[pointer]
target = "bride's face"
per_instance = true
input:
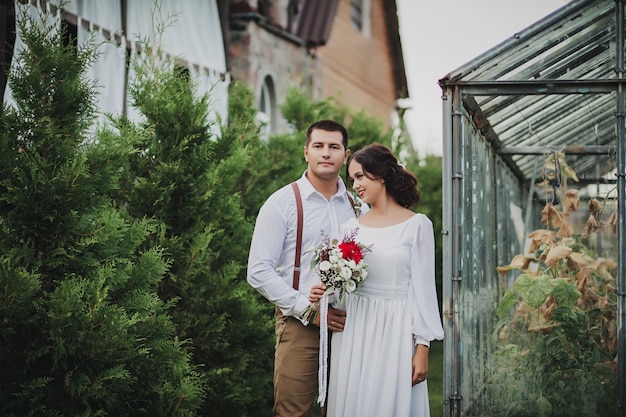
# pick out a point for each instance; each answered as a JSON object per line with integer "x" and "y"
{"x": 368, "y": 189}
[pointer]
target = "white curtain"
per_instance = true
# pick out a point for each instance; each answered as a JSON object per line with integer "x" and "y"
{"x": 108, "y": 70}
{"x": 193, "y": 33}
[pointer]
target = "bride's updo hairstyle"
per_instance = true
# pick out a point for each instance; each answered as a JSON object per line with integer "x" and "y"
{"x": 379, "y": 162}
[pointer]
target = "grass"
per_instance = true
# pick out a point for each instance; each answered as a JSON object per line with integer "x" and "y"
{"x": 435, "y": 378}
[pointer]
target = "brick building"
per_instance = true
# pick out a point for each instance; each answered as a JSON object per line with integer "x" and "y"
{"x": 347, "y": 49}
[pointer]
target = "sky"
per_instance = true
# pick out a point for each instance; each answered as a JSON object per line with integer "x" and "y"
{"x": 440, "y": 36}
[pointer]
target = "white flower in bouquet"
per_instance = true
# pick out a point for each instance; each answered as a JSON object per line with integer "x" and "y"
{"x": 346, "y": 272}
{"x": 325, "y": 266}
{"x": 350, "y": 286}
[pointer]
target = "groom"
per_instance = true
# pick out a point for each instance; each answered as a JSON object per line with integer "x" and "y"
{"x": 271, "y": 263}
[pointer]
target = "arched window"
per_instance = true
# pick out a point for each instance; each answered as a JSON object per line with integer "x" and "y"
{"x": 267, "y": 108}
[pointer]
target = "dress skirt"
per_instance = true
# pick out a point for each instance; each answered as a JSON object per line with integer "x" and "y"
{"x": 371, "y": 360}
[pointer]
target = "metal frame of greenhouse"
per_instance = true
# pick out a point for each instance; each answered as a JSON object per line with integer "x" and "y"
{"x": 559, "y": 85}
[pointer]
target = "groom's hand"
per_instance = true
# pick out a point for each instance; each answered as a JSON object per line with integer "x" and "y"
{"x": 336, "y": 319}
{"x": 317, "y": 292}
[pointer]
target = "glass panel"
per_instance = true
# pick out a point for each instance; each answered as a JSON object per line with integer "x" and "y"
{"x": 537, "y": 310}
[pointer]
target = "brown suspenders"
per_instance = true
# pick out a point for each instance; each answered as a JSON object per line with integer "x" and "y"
{"x": 296, "y": 262}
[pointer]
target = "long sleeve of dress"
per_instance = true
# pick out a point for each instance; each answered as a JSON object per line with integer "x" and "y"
{"x": 425, "y": 316}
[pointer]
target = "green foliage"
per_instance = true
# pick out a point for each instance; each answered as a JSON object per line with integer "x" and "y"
{"x": 300, "y": 110}
{"x": 429, "y": 175}
{"x": 82, "y": 330}
{"x": 363, "y": 130}
{"x": 183, "y": 175}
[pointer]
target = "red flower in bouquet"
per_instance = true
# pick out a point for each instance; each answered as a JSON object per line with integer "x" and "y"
{"x": 350, "y": 250}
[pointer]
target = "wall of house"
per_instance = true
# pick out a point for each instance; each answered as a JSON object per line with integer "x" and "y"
{"x": 355, "y": 67}
{"x": 358, "y": 69}
{"x": 255, "y": 54}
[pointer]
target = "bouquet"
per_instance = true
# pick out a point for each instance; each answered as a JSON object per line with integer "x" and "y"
{"x": 341, "y": 268}
{"x": 340, "y": 265}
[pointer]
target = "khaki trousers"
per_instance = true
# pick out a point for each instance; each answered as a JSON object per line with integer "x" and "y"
{"x": 295, "y": 367}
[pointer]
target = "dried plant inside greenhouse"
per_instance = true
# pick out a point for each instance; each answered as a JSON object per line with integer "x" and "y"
{"x": 556, "y": 341}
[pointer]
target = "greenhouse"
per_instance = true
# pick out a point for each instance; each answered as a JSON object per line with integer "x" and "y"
{"x": 534, "y": 278}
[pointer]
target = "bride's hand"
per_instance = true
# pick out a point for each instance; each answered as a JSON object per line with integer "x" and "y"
{"x": 317, "y": 291}
{"x": 420, "y": 364}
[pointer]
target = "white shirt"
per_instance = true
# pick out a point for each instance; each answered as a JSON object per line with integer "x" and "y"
{"x": 272, "y": 251}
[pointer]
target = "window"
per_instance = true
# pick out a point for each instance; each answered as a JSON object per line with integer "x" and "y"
{"x": 360, "y": 15}
{"x": 267, "y": 108}
{"x": 356, "y": 14}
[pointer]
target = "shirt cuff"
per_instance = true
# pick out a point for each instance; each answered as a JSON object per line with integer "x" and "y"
{"x": 300, "y": 308}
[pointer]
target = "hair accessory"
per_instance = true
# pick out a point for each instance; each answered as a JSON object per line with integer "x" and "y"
{"x": 401, "y": 165}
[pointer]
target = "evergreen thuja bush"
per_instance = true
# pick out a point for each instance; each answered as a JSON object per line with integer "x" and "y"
{"x": 185, "y": 176}
{"x": 82, "y": 329}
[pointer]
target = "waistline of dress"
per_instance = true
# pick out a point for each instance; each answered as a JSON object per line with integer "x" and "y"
{"x": 383, "y": 291}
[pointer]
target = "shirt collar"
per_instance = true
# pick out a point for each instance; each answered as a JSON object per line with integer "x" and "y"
{"x": 306, "y": 188}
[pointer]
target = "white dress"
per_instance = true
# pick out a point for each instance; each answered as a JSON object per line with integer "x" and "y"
{"x": 371, "y": 360}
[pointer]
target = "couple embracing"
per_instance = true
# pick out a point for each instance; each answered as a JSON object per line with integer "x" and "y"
{"x": 380, "y": 334}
